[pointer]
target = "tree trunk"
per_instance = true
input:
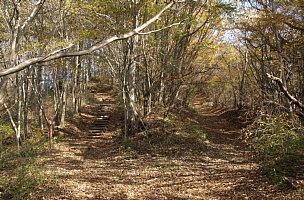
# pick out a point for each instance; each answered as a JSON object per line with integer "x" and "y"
{"x": 64, "y": 98}
{"x": 131, "y": 115}
{"x": 25, "y": 92}
{"x": 76, "y": 85}
{"x": 19, "y": 111}
{"x": 39, "y": 86}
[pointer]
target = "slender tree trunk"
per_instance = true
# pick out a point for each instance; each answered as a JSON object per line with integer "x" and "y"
{"x": 162, "y": 89}
{"x": 64, "y": 98}
{"x": 15, "y": 128}
{"x": 25, "y": 92}
{"x": 39, "y": 86}
{"x": 242, "y": 82}
{"x": 19, "y": 110}
{"x": 76, "y": 84}
{"x": 126, "y": 114}
{"x": 56, "y": 98}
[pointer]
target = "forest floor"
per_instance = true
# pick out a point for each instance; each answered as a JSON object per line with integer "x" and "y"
{"x": 158, "y": 164}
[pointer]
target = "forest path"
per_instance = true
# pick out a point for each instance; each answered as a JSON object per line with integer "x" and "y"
{"x": 99, "y": 167}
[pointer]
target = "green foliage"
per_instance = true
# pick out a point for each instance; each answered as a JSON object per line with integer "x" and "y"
{"x": 180, "y": 135}
{"x": 185, "y": 127}
{"x": 194, "y": 129}
{"x": 277, "y": 138}
{"x": 28, "y": 179}
{"x": 6, "y": 130}
{"x": 277, "y": 177}
{"x": 281, "y": 149}
{"x": 23, "y": 177}
{"x": 6, "y": 133}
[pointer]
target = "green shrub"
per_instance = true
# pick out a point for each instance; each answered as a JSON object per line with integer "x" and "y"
{"x": 280, "y": 147}
{"x": 23, "y": 178}
{"x": 195, "y": 129}
{"x": 27, "y": 180}
{"x": 277, "y": 176}
{"x": 6, "y": 133}
{"x": 277, "y": 138}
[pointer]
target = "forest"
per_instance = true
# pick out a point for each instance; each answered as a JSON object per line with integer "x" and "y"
{"x": 151, "y": 99}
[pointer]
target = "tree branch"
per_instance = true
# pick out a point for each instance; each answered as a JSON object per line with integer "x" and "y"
{"x": 33, "y": 14}
{"x": 60, "y": 54}
{"x": 161, "y": 29}
{"x": 285, "y": 91}
{"x": 6, "y": 16}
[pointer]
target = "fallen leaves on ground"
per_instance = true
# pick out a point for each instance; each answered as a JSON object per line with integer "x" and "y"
{"x": 160, "y": 163}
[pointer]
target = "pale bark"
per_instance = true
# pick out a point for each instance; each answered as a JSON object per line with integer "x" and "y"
{"x": 15, "y": 128}
{"x": 25, "y": 92}
{"x": 64, "y": 98}
{"x": 76, "y": 85}
{"x": 285, "y": 91}
{"x": 59, "y": 54}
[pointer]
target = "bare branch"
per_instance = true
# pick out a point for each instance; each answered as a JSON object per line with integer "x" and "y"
{"x": 285, "y": 91}
{"x": 105, "y": 16}
{"x": 60, "y": 54}
{"x": 38, "y": 6}
{"x": 6, "y": 16}
{"x": 161, "y": 29}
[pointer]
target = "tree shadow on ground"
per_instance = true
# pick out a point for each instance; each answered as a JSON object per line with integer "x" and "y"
{"x": 162, "y": 163}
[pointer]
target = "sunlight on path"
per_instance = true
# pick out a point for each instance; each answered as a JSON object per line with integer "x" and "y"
{"x": 97, "y": 168}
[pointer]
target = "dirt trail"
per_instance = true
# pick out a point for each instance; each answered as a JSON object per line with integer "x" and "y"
{"x": 95, "y": 166}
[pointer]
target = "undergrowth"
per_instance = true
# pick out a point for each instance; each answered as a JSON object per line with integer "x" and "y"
{"x": 280, "y": 148}
{"x": 22, "y": 176}
{"x": 6, "y": 134}
{"x": 179, "y": 136}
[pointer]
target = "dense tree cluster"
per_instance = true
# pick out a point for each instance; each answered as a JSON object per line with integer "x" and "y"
{"x": 265, "y": 66}
{"x": 157, "y": 53}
